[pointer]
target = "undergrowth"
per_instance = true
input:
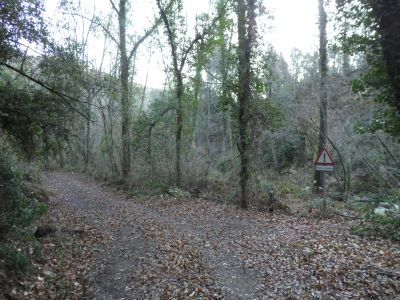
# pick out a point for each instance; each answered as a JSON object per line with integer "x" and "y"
{"x": 385, "y": 225}
{"x": 17, "y": 209}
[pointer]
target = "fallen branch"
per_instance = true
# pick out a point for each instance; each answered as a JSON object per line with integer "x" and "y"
{"x": 353, "y": 217}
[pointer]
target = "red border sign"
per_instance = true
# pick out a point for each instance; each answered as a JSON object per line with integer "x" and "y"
{"x": 325, "y": 158}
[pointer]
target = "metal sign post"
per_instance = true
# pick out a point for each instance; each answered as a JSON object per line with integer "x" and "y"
{"x": 324, "y": 163}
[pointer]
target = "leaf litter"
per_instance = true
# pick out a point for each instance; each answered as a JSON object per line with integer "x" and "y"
{"x": 168, "y": 248}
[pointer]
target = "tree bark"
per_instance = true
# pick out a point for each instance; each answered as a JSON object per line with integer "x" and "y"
{"x": 125, "y": 105}
{"x": 346, "y": 57}
{"x": 323, "y": 95}
{"x": 387, "y": 15}
{"x": 179, "y": 93}
{"x": 88, "y": 133}
{"x": 125, "y": 60}
{"x": 179, "y": 126}
{"x": 246, "y": 34}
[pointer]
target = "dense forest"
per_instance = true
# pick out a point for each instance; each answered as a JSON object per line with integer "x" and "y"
{"x": 236, "y": 127}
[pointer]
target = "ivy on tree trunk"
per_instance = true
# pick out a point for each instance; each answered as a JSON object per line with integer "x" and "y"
{"x": 246, "y": 35}
{"x": 323, "y": 95}
{"x": 125, "y": 105}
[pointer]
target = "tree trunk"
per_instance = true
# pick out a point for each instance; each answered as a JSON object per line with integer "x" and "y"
{"x": 196, "y": 94}
{"x": 179, "y": 94}
{"x": 387, "y": 15}
{"x": 125, "y": 105}
{"x": 227, "y": 140}
{"x": 246, "y": 36}
{"x": 61, "y": 153}
{"x": 179, "y": 125}
{"x": 88, "y": 130}
{"x": 46, "y": 147}
{"x": 323, "y": 96}
{"x": 346, "y": 58}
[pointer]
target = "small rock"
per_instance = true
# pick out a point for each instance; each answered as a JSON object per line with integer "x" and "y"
{"x": 44, "y": 230}
{"x": 48, "y": 273}
{"x": 381, "y": 211}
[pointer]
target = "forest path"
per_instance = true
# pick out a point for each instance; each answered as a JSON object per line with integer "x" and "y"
{"x": 166, "y": 248}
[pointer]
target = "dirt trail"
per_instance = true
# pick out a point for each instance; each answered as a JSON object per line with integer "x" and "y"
{"x": 168, "y": 248}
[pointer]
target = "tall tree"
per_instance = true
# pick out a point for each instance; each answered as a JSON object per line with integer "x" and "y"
{"x": 246, "y": 36}
{"x": 179, "y": 59}
{"x": 374, "y": 30}
{"x": 323, "y": 95}
{"x": 125, "y": 61}
{"x": 346, "y": 57}
{"x": 387, "y": 15}
{"x": 125, "y": 105}
{"x": 177, "y": 69}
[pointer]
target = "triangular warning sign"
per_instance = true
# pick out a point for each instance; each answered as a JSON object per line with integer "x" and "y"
{"x": 325, "y": 158}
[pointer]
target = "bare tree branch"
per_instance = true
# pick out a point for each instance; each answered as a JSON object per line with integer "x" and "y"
{"x": 188, "y": 49}
{"x": 142, "y": 39}
{"x": 105, "y": 29}
{"x": 114, "y": 7}
{"x": 198, "y": 37}
{"x": 170, "y": 34}
{"x": 388, "y": 151}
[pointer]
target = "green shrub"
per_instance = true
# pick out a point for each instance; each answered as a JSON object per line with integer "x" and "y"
{"x": 16, "y": 210}
{"x": 10, "y": 193}
{"x": 372, "y": 224}
{"x": 391, "y": 196}
{"x": 287, "y": 187}
{"x": 261, "y": 188}
{"x": 387, "y": 226}
{"x": 13, "y": 259}
{"x": 177, "y": 192}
